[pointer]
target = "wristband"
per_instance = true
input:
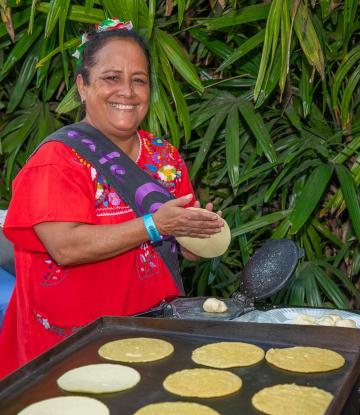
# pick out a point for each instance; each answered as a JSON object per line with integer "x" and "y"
{"x": 151, "y": 228}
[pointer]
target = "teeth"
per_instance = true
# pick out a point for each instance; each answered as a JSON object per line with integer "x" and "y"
{"x": 122, "y": 106}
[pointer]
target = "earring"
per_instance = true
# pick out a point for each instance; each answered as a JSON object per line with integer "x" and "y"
{"x": 82, "y": 100}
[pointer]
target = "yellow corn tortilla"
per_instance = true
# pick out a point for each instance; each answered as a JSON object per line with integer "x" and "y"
{"x": 176, "y": 408}
{"x": 211, "y": 247}
{"x": 202, "y": 383}
{"x": 137, "y": 349}
{"x": 305, "y": 359}
{"x": 224, "y": 355}
{"x": 292, "y": 399}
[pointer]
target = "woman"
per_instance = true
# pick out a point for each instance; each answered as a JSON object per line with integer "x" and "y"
{"x": 81, "y": 251}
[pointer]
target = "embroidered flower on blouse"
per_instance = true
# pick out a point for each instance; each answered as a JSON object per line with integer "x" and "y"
{"x": 157, "y": 142}
{"x": 167, "y": 173}
{"x": 114, "y": 199}
{"x": 156, "y": 158}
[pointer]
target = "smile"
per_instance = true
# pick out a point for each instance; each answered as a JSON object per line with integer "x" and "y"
{"x": 122, "y": 106}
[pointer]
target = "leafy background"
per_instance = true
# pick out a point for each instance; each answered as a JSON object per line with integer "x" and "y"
{"x": 262, "y": 97}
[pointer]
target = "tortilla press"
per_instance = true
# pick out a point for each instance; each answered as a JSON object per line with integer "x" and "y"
{"x": 267, "y": 271}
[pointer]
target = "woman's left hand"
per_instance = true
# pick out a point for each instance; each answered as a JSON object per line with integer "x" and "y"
{"x": 186, "y": 253}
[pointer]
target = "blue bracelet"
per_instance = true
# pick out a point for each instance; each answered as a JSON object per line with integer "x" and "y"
{"x": 151, "y": 228}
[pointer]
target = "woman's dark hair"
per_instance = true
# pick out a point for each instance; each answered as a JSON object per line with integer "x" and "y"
{"x": 97, "y": 40}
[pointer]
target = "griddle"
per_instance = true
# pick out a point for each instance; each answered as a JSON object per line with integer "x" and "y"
{"x": 37, "y": 380}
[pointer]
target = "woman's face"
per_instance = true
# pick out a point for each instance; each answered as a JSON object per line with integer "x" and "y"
{"x": 117, "y": 97}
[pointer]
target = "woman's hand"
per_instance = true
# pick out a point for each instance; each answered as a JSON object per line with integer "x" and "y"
{"x": 185, "y": 252}
{"x": 172, "y": 219}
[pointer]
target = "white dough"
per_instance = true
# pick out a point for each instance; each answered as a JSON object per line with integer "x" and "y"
{"x": 345, "y": 323}
{"x": 333, "y": 316}
{"x": 304, "y": 319}
{"x": 213, "y": 305}
{"x": 99, "y": 378}
{"x": 211, "y": 247}
{"x": 326, "y": 321}
{"x": 67, "y": 405}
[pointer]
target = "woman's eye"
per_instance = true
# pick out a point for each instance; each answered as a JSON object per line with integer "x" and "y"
{"x": 112, "y": 78}
{"x": 140, "y": 81}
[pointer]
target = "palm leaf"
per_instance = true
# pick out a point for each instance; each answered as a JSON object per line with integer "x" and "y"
{"x": 177, "y": 56}
{"x": 232, "y": 144}
{"x": 349, "y": 190}
{"x": 234, "y": 18}
{"x": 310, "y": 196}
{"x": 258, "y": 128}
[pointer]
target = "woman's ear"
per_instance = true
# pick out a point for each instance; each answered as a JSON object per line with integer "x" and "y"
{"x": 81, "y": 88}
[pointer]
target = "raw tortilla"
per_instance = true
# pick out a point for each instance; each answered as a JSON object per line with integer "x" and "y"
{"x": 176, "y": 408}
{"x": 224, "y": 355}
{"x": 99, "y": 378}
{"x": 137, "y": 349}
{"x": 211, "y": 247}
{"x": 67, "y": 405}
{"x": 213, "y": 305}
{"x": 202, "y": 383}
{"x": 292, "y": 400}
{"x": 305, "y": 359}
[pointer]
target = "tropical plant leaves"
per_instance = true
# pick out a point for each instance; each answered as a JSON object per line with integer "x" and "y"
{"x": 310, "y": 196}
{"x": 238, "y": 84}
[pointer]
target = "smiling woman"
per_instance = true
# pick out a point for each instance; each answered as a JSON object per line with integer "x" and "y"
{"x": 96, "y": 208}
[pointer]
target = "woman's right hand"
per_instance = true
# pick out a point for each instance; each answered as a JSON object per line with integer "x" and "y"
{"x": 172, "y": 219}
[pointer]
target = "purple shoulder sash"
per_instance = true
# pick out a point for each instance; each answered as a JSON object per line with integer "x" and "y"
{"x": 140, "y": 191}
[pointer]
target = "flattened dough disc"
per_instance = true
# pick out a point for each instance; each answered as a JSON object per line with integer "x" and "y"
{"x": 137, "y": 349}
{"x": 202, "y": 383}
{"x": 305, "y": 359}
{"x": 211, "y": 247}
{"x": 292, "y": 400}
{"x": 99, "y": 378}
{"x": 67, "y": 405}
{"x": 176, "y": 408}
{"x": 224, "y": 355}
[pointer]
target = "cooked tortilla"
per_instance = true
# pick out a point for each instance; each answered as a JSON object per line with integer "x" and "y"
{"x": 137, "y": 349}
{"x": 202, "y": 383}
{"x": 211, "y": 247}
{"x": 305, "y": 359}
{"x": 292, "y": 400}
{"x": 99, "y": 378}
{"x": 224, "y": 355}
{"x": 67, "y": 405}
{"x": 176, "y": 408}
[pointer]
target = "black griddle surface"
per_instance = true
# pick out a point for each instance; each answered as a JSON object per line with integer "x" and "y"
{"x": 37, "y": 380}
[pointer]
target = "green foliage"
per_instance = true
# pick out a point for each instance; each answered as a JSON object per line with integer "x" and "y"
{"x": 263, "y": 98}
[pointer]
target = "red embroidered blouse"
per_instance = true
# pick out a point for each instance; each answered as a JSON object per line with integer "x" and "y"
{"x": 51, "y": 301}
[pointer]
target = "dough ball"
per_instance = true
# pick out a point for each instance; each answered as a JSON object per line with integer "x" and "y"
{"x": 334, "y": 317}
{"x": 346, "y": 322}
{"x": 326, "y": 321}
{"x": 213, "y": 305}
{"x": 304, "y": 319}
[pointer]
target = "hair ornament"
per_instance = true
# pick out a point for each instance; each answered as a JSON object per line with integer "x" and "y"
{"x": 104, "y": 26}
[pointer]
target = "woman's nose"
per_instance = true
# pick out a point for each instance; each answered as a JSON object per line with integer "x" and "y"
{"x": 125, "y": 88}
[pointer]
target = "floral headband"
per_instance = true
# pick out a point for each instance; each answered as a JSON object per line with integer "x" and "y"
{"x": 104, "y": 26}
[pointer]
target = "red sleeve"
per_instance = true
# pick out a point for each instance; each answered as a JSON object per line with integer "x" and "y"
{"x": 53, "y": 186}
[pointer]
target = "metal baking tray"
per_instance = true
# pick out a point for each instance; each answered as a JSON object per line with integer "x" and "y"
{"x": 37, "y": 380}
